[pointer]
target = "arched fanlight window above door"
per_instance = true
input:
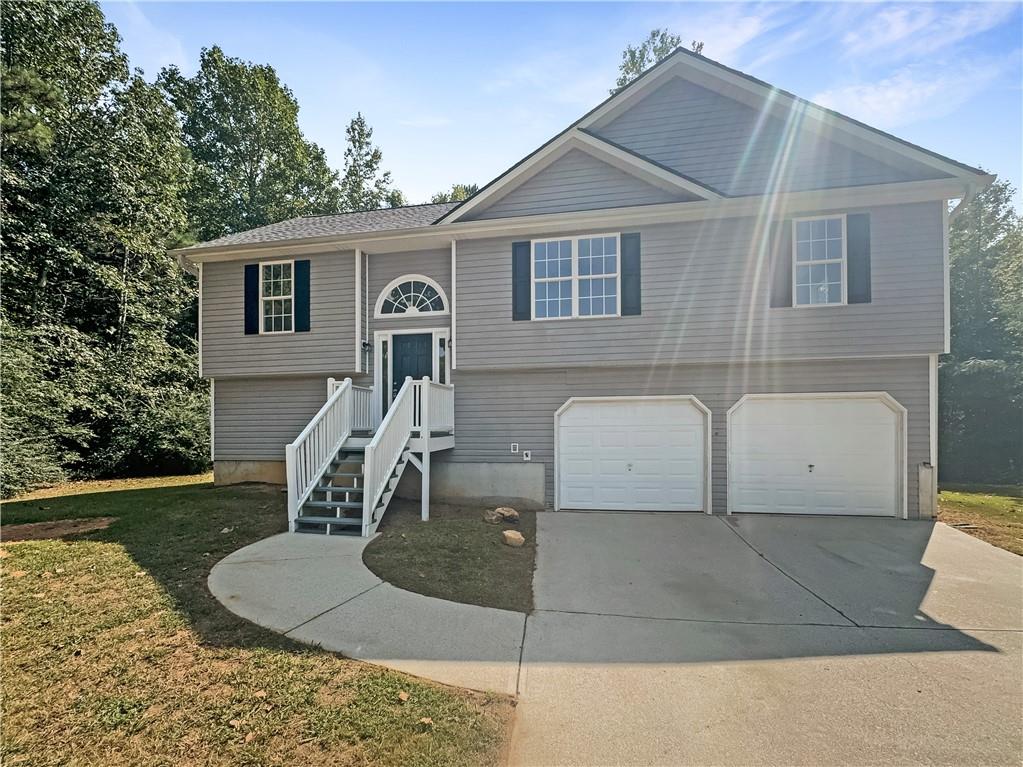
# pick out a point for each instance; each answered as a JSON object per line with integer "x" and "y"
{"x": 411, "y": 294}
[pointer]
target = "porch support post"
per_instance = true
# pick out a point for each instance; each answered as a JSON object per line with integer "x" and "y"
{"x": 424, "y": 436}
{"x": 292, "y": 472}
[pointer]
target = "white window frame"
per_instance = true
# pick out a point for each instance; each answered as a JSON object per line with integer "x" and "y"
{"x": 844, "y": 261}
{"x": 575, "y": 277}
{"x": 411, "y": 311}
{"x": 291, "y": 296}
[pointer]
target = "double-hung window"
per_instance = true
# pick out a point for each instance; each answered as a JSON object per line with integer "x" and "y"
{"x": 576, "y": 277}
{"x": 276, "y": 299}
{"x": 819, "y": 261}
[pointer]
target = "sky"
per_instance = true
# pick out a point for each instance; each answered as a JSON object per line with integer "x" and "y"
{"x": 459, "y": 92}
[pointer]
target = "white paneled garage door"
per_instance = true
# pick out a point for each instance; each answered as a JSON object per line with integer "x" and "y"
{"x": 632, "y": 454}
{"x": 816, "y": 454}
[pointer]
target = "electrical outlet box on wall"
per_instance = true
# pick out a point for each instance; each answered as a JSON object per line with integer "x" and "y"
{"x": 527, "y": 455}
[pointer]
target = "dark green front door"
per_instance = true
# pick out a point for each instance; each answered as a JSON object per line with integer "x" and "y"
{"x": 413, "y": 356}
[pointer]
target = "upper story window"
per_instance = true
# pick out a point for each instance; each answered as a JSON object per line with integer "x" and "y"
{"x": 819, "y": 261}
{"x": 576, "y": 277}
{"x": 276, "y": 299}
{"x": 411, "y": 294}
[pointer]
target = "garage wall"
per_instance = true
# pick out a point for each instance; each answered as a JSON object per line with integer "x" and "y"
{"x": 493, "y": 410}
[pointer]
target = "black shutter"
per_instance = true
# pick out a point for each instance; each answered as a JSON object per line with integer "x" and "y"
{"x": 521, "y": 290}
{"x": 781, "y": 263}
{"x": 857, "y": 253}
{"x": 302, "y": 296}
{"x": 632, "y": 283}
{"x": 251, "y": 299}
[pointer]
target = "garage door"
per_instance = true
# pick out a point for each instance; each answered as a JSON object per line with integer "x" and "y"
{"x": 624, "y": 454}
{"x": 806, "y": 454}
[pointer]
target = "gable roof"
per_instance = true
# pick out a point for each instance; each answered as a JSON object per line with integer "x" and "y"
{"x": 683, "y": 60}
{"x": 378, "y": 220}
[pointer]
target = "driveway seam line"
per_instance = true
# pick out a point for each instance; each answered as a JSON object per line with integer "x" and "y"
{"x": 339, "y": 604}
{"x": 522, "y": 650}
{"x": 790, "y": 577}
{"x": 872, "y": 627}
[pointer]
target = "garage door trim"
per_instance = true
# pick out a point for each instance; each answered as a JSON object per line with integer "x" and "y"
{"x": 707, "y": 458}
{"x": 901, "y": 450}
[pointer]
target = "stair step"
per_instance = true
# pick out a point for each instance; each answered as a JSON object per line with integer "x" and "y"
{"x": 353, "y": 475}
{"x": 337, "y": 489}
{"x": 347, "y": 521}
{"x": 333, "y": 504}
{"x": 346, "y": 448}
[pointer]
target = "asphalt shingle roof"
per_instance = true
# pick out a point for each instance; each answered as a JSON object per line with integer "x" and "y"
{"x": 380, "y": 220}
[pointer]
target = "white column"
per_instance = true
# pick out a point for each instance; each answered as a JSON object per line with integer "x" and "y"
{"x": 454, "y": 296}
{"x": 358, "y": 310}
{"x": 424, "y": 435}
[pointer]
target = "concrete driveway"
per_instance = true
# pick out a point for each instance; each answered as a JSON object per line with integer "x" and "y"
{"x": 668, "y": 639}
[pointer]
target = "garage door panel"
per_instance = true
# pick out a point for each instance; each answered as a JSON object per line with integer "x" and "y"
{"x": 639, "y": 455}
{"x": 851, "y": 443}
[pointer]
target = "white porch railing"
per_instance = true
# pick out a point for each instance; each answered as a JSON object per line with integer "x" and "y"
{"x": 386, "y": 448}
{"x": 313, "y": 450}
{"x": 362, "y": 404}
{"x": 438, "y": 402}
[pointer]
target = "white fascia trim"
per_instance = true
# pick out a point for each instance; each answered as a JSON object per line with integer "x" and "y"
{"x": 454, "y": 299}
{"x": 946, "y": 278}
{"x": 573, "y": 138}
{"x": 707, "y": 455}
{"x": 787, "y": 203}
{"x": 819, "y": 118}
{"x": 901, "y": 452}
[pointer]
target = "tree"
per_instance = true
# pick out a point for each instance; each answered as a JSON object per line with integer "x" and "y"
{"x": 94, "y": 173}
{"x": 636, "y": 59}
{"x": 253, "y": 166}
{"x": 457, "y": 193}
{"x": 981, "y": 381}
{"x": 363, "y": 185}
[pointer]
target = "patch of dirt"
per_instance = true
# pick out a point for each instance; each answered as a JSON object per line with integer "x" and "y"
{"x": 39, "y": 531}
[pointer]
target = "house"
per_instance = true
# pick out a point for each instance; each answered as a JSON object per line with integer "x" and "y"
{"x": 705, "y": 295}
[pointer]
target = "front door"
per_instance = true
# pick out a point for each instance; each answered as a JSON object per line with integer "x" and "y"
{"x": 413, "y": 356}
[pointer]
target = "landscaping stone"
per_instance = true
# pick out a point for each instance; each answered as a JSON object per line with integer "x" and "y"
{"x": 513, "y": 538}
{"x": 508, "y": 514}
{"x": 493, "y": 516}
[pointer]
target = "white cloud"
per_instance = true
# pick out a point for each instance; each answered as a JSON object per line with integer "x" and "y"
{"x": 149, "y": 47}
{"x": 915, "y": 30}
{"x": 910, "y": 94}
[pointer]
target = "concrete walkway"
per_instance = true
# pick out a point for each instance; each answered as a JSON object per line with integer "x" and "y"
{"x": 317, "y": 590}
{"x": 664, "y": 639}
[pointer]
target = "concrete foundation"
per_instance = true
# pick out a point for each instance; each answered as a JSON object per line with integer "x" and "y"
{"x": 514, "y": 484}
{"x": 233, "y": 472}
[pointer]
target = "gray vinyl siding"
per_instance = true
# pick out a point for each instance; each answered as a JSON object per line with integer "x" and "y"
{"x": 734, "y": 148}
{"x": 328, "y": 346}
{"x": 385, "y": 267}
{"x": 705, "y": 298}
{"x": 577, "y": 181}
{"x": 254, "y": 418}
{"x": 493, "y": 410}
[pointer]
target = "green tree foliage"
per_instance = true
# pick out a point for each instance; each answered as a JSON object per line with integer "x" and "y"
{"x": 636, "y": 59}
{"x": 363, "y": 185}
{"x": 253, "y": 166}
{"x": 981, "y": 381}
{"x": 95, "y": 314}
{"x": 457, "y": 193}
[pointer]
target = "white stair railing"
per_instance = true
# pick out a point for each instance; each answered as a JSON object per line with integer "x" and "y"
{"x": 363, "y": 417}
{"x": 385, "y": 450}
{"x": 316, "y": 446}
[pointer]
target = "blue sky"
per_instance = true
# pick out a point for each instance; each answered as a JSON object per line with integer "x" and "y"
{"x": 458, "y": 92}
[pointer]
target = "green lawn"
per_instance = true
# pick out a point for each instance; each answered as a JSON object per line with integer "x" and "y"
{"x": 993, "y": 514}
{"x": 115, "y": 653}
{"x": 456, "y": 555}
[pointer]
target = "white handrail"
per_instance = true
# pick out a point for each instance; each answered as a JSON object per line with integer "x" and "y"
{"x": 362, "y": 405}
{"x": 385, "y": 450}
{"x": 316, "y": 446}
